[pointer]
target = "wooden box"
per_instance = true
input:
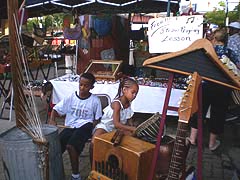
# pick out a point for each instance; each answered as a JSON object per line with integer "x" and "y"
{"x": 105, "y": 69}
{"x": 131, "y": 159}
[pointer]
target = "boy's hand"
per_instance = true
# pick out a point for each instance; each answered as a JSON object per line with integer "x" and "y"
{"x": 134, "y": 131}
{"x": 52, "y": 122}
{"x": 95, "y": 122}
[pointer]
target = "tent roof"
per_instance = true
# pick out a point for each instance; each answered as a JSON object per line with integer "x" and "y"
{"x": 40, "y": 7}
{"x": 44, "y": 7}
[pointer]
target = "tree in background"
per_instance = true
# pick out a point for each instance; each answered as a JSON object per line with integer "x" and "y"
{"x": 52, "y": 22}
{"x": 218, "y": 16}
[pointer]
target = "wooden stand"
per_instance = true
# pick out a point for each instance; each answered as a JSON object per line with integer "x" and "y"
{"x": 199, "y": 57}
{"x": 38, "y": 65}
{"x": 166, "y": 107}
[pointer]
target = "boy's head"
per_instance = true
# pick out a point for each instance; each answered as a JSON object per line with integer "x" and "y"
{"x": 88, "y": 76}
{"x": 86, "y": 83}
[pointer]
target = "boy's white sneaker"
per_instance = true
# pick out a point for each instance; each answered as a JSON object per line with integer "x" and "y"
{"x": 78, "y": 178}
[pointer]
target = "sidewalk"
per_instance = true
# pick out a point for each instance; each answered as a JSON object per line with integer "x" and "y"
{"x": 219, "y": 165}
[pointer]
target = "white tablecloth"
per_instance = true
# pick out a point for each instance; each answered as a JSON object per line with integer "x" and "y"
{"x": 148, "y": 100}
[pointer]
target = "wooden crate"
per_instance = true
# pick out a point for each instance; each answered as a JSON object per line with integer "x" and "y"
{"x": 132, "y": 157}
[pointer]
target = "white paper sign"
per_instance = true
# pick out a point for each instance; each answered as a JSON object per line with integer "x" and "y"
{"x": 171, "y": 34}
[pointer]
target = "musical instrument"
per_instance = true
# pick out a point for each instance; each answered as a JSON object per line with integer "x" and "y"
{"x": 188, "y": 106}
{"x": 199, "y": 57}
{"x": 130, "y": 160}
{"x": 148, "y": 130}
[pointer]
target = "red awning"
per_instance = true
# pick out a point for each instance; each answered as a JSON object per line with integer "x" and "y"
{"x": 140, "y": 19}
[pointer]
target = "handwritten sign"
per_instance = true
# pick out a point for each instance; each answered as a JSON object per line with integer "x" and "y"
{"x": 171, "y": 34}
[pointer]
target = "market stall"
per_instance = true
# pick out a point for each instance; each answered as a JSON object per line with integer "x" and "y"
{"x": 102, "y": 27}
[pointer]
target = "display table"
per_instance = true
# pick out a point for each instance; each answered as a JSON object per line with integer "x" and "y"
{"x": 148, "y": 100}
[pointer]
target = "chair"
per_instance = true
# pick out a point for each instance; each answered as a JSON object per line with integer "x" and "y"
{"x": 105, "y": 99}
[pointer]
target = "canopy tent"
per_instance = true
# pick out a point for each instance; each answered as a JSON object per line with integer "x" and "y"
{"x": 41, "y": 7}
{"x": 44, "y": 7}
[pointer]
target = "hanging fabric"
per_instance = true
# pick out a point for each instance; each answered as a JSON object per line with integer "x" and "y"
{"x": 84, "y": 43}
{"x": 71, "y": 33}
{"x": 102, "y": 25}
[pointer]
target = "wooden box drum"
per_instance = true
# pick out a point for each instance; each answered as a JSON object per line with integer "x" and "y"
{"x": 131, "y": 160}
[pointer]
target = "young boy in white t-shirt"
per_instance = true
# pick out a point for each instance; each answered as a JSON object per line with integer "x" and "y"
{"x": 83, "y": 111}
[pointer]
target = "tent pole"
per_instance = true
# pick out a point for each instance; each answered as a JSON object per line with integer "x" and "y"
{"x": 76, "y": 59}
{"x": 168, "y": 8}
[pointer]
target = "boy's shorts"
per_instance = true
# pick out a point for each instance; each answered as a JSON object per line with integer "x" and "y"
{"x": 77, "y": 137}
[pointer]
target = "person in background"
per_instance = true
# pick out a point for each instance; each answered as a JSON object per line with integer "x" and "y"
{"x": 83, "y": 111}
{"x": 219, "y": 42}
{"x": 215, "y": 95}
{"x": 118, "y": 112}
{"x": 6, "y": 57}
{"x": 234, "y": 45}
{"x": 234, "y": 41}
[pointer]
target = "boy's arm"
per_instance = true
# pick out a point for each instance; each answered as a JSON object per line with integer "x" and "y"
{"x": 52, "y": 120}
{"x": 95, "y": 122}
{"x": 98, "y": 113}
